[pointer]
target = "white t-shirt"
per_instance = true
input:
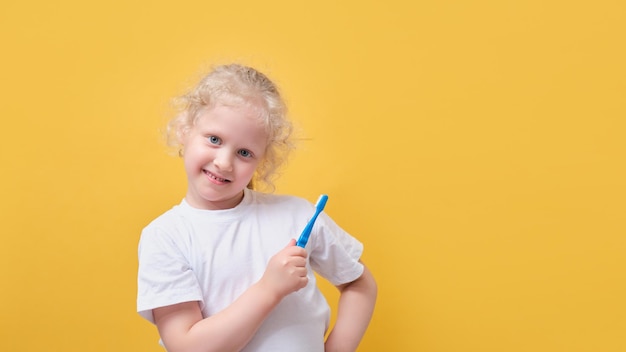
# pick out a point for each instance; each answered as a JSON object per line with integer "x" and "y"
{"x": 213, "y": 256}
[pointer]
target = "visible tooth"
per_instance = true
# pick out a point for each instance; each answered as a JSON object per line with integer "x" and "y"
{"x": 216, "y": 178}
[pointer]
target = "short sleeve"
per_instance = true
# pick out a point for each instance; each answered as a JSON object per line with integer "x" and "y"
{"x": 334, "y": 253}
{"x": 164, "y": 275}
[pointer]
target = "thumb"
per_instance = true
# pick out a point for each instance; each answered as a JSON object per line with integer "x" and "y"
{"x": 292, "y": 242}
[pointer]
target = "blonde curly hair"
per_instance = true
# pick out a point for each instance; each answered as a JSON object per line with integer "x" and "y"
{"x": 236, "y": 84}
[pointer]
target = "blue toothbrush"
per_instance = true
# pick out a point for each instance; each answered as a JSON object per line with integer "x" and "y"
{"x": 304, "y": 237}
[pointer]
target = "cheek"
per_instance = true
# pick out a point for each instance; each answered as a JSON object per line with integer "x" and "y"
{"x": 193, "y": 155}
{"x": 249, "y": 168}
{"x": 188, "y": 161}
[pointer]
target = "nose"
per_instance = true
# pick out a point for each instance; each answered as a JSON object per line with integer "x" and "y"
{"x": 223, "y": 160}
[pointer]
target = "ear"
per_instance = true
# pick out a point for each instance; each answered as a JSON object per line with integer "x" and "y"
{"x": 182, "y": 133}
{"x": 183, "y": 128}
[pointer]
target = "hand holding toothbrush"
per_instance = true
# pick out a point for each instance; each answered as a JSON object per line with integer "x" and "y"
{"x": 286, "y": 271}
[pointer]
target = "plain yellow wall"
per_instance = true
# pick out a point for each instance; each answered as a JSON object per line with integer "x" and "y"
{"x": 475, "y": 147}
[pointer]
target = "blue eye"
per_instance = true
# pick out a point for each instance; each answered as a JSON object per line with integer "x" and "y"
{"x": 245, "y": 153}
{"x": 215, "y": 140}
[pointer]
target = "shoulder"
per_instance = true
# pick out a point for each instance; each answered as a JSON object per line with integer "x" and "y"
{"x": 167, "y": 218}
{"x": 169, "y": 223}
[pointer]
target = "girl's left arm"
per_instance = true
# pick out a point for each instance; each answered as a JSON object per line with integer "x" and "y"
{"x": 356, "y": 306}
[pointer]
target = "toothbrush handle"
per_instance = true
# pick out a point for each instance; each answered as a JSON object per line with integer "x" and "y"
{"x": 304, "y": 237}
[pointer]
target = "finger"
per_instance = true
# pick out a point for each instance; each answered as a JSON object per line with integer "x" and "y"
{"x": 299, "y": 262}
{"x": 292, "y": 242}
{"x": 302, "y": 272}
{"x": 303, "y": 282}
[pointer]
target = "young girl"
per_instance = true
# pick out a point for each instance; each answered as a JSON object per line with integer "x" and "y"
{"x": 220, "y": 271}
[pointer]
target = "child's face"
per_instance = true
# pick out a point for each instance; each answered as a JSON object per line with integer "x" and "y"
{"x": 221, "y": 152}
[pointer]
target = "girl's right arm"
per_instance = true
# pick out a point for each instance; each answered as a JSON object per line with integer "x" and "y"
{"x": 183, "y": 329}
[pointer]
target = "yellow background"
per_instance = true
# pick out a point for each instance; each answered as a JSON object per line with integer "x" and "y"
{"x": 475, "y": 147}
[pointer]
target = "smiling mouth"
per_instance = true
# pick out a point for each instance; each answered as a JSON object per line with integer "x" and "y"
{"x": 213, "y": 177}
